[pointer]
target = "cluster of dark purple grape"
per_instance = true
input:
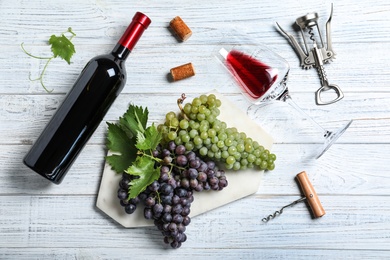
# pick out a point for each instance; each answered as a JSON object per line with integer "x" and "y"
{"x": 168, "y": 200}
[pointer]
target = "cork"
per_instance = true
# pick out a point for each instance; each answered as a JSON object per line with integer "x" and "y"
{"x": 182, "y": 72}
{"x": 180, "y": 28}
{"x": 310, "y": 194}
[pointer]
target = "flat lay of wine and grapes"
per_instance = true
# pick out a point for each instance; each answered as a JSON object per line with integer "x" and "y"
{"x": 207, "y": 130}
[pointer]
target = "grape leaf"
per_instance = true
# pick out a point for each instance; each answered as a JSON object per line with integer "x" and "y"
{"x": 150, "y": 139}
{"x": 134, "y": 119}
{"x": 144, "y": 169}
{"x": 61, "y": 46}
{"x": 118, "y": 141}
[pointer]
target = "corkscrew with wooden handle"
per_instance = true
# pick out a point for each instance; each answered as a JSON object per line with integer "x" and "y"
{"x": 310, "y": 196}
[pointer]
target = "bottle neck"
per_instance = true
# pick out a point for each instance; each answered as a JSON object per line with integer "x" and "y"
{"x": 131, "y": 36}
{"x": 120, "y": 52}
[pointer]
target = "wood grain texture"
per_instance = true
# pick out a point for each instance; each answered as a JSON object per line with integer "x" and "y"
{"x": 39, "y": 220}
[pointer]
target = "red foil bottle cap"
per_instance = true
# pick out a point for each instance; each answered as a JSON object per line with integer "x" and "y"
{"x": 134, "y": 32}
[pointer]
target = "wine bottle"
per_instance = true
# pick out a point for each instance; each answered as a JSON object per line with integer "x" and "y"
{"x": 74, "y": 122}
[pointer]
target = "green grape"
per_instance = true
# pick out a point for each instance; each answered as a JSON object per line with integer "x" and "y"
{"x": 203, "y": 128}
{"x": 207, "y": 112}
{"x": 248, "y": 147}
{"x": 221, "y": 144}
{"x": 184, "y": 124}
{"x": 230, "y": 160}
{"x": 236, "y": 166}
{"x": 172, "y": 135}
{"x": 263, "y": 165}
{"x": 189, "y": 146}
{"x": 270, "y": 166}
{"x": 198, "y": 140}
{"x": 194, "y": 109}
{"x": 214, "y": 148}
{"x": 240, "y": 147}
{"x": 170, "y": 115}
{"x": 204, "y": 135}
{"x": 237, "y": 155}
{"x": 211, "y": 99}
{"x": 200, "y": 116}
{"x": 232, "y": 150}
{"x": 210, "y": 154}
{"x": 193, "y": 133}
{"x": 178, "y": 140}
{"x": 203, "y": 151}
{"x": 251, "y": 158}
{"x": 203, "y": 99}
{"x": 192, "y": 116}
{"x": 211, "y": 118}
{"x": 163, "y": 128}
{"x": 218, "y": 155}
{"x": 211, "y": 132}
{"x": 225, "y": 154}
{"x": 207, "y": 142}
{"x": 185, "y": 138}
{"x": 244, "y": 161}
{"x": 228, "y": 142}
{"x": 174, "y": 122}
{"x": 264, "y": 156}
{"x": 257, "y": 152}
{"x": 229, "y": 166}
{"x": 202, "y": 109}
{"x": 214, "y": 139}
{"x": 222, "y": 136}
{"x": 258, "y": 161}
{"x": 196, "y": 102}
{"x": 187, "y": 108}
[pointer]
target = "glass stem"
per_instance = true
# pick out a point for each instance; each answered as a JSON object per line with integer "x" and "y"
{"x": 285, "y": 97}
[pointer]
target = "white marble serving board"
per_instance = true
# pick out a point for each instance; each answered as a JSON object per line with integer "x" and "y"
{"x": 241, "y": 183}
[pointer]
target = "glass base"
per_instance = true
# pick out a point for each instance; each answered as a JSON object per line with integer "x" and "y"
{"x": 331, "y": 138}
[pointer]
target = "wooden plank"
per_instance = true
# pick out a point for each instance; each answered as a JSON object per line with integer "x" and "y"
{"x": 351, "y": 222}
{"x": 119, "y": 253}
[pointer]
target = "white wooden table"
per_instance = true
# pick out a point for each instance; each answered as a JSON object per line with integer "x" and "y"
{"x": 39, "y": 220}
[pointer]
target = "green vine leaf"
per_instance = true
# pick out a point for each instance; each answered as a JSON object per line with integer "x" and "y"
{"x": 133, "y": 142}
{"x": 144, "y": 169}
{"x": 61, "y": 46}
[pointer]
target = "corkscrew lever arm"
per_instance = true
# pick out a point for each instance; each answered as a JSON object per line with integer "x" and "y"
{"x": 302, "y": 55}
{"x": 328, "y": 33}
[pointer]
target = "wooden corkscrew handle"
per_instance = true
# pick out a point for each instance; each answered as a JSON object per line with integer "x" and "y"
{"x": 310, "y": 194}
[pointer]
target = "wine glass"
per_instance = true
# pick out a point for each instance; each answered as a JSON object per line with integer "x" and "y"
{"x": 261, "y": 75}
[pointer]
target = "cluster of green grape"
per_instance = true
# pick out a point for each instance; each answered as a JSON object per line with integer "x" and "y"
{"x": 199, "y": 129}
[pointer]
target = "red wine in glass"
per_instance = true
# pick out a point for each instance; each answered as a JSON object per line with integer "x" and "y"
{"x": 254, "y": 76}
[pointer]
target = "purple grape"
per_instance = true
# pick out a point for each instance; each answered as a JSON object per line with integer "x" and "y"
{"x": 181, "y": 160}
{"x": 130, "y": 208}
{"x": 180, "y": 150}
{"x": 122, "y": 194}
{"x": 192, "y": 173}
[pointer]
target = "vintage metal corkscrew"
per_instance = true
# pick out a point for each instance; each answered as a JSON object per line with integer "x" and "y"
{"x": 318, "y": 54}
{"x": 310, "y": 196}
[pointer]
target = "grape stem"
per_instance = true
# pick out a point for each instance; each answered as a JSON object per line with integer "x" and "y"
{"x": 159, "y": 160}
{"x": 180, "y": 105}
{"x": 40, "y": 78}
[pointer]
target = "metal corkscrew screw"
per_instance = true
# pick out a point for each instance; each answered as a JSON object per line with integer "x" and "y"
{"x": 310, "y": 196}
{"x": 318, "y": 54}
